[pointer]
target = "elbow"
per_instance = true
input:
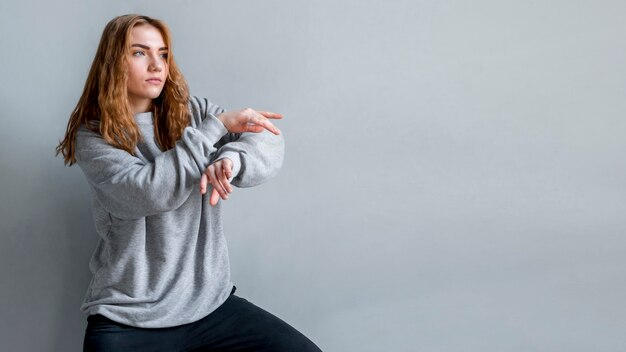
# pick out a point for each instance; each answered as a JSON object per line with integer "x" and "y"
{"x": 276, "y": 159}
{"x": 250, "y": 177}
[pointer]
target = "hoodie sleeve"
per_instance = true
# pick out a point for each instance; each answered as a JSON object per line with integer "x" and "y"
{"x": 130, "y": 188}
{"x": 256, "y": 157}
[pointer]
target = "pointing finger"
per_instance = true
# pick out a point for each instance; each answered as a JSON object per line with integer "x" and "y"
{"x": 271, "y": 115}
{"x": 260, "y": 120}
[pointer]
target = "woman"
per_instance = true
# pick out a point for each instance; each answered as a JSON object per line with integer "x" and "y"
{"x": 161, "y": 277}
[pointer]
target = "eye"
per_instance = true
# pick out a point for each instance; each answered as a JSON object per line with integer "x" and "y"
{"x": 138, "y": 53}
{"x": 164, "y": 55}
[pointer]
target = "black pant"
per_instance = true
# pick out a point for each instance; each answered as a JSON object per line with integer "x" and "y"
{"x": 237, "y": 325}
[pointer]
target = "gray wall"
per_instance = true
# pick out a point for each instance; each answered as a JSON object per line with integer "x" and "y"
{"x": 452, "y": 179}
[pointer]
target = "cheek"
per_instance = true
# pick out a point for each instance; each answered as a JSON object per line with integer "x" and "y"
{"x": 134, "y": 71}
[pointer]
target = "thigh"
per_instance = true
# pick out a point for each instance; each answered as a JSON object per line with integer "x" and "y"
{"x": 105, "y": 335}
{"x": 238, "y": 325}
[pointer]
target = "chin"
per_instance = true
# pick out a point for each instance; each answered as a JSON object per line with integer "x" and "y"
{"x": 154, "y": 95}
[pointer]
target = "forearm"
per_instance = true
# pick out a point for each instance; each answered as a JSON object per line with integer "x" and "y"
{"x": 131, "y": 188}
{"x": 256, "y": 157}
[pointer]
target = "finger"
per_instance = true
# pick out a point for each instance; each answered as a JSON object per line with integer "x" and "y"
{"x": 215, "y": 197}
{"x": 261, "y": 121}
{"x": 203, "y": 183}
{"x": 219, "y": 175}
{"x": 271, "y": 115}
{"x": 228, "y": 170}
{"x": 251, "y": 127}
{"x": 216, "y": 184}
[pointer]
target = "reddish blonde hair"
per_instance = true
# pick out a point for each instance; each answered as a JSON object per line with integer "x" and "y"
{"x": 104, "y": 106}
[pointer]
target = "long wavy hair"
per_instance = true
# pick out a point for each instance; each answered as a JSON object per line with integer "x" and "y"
{"x": 104, "y": 106}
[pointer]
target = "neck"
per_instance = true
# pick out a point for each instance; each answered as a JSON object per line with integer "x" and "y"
{"x": 139, "y": 106}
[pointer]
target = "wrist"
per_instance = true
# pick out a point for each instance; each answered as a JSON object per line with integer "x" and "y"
{"x": 221, "y": 118}
{"x": 235, "y": 160}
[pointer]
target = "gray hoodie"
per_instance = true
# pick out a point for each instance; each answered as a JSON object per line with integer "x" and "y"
{"x": 161, "y": 259}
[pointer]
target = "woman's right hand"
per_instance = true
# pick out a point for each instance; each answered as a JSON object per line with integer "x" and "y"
{"x": 249, "y": 120}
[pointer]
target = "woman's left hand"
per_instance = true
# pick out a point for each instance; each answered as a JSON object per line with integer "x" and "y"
{"x": 218, "y": 174}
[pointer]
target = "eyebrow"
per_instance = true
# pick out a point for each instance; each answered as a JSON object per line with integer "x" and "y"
{"x": 147, "y": 47}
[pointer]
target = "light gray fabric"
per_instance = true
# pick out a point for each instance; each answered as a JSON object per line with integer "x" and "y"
{"x": 161, "y": 259}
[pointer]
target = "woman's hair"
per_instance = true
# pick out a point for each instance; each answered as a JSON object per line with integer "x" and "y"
{"x": 104, "y": 106}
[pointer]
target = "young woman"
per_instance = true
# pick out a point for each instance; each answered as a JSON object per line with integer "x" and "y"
{"x": 161, "y": 277}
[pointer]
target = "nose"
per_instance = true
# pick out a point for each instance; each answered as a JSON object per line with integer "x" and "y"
{"x": 155, "y": 66}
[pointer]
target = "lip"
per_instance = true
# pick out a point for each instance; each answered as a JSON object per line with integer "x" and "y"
{"x": 154, "y": 80}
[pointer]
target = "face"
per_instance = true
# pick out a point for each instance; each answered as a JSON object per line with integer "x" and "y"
{"x": 148, "y": 69}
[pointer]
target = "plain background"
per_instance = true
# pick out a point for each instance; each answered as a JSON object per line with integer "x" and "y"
{"x": 452, "y": 182}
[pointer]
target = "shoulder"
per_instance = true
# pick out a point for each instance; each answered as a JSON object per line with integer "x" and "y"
{"x": 88, "y": 132}
{"x": 89, "y": 140}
